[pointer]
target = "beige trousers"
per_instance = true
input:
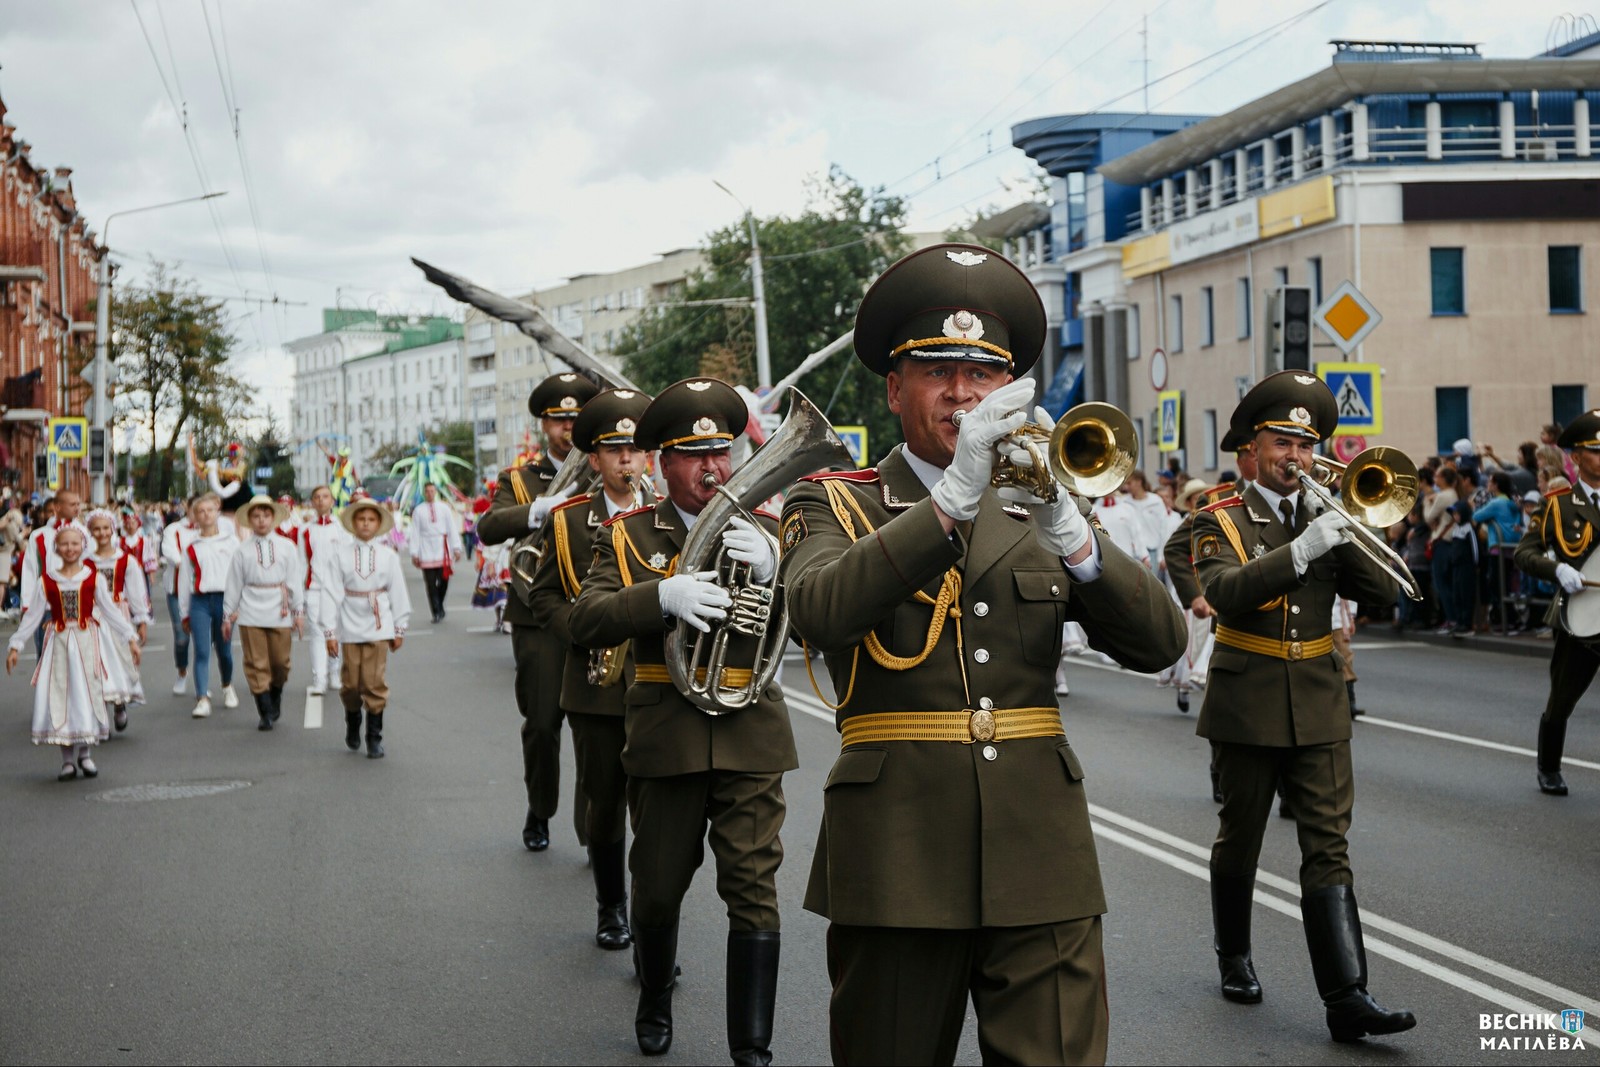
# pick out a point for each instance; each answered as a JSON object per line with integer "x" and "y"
{"x": 361, "y": 675}
{"x": 266, "y": 656}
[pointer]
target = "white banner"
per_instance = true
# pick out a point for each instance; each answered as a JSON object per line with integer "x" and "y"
{"x": 1215, "y": 231}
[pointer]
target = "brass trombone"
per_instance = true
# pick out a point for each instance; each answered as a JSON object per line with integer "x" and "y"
{"x": 1377, "y": 488}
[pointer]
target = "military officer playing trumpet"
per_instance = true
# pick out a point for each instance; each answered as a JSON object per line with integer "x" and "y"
{"x": 694, "y": 777}
{"x": 590, "y": 688}
{"x": 1567, "y": 526}
{"x": 955, "y": 857}
{"x": 1276, "y": 707}
{"x": 520, "y": 507}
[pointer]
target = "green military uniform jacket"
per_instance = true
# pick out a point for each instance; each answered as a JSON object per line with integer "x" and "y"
{"x": 1241, "y": 557}
{"x": 1180, "y": 567}
{"x": 933, "y": 833}
{"x": 569, "y": 551}
{"x": 507, "y": 520}
{"x": 1567, "y": 524}
{"x": 667, "y": 734}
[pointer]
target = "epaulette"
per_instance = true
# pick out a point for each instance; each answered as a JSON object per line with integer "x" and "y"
{"x": 581, "y": 498}
{"x": 865, "y": 476}
{"x": 1219, "y": 492}
{"x": 1226, "y": 502}
{"x": 624, "y": 514}
{"x": 1558, "y": 492}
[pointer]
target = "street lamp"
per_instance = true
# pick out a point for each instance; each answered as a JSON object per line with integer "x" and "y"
{"x": 98, "y": 494}
{"x": 763, "y": 353}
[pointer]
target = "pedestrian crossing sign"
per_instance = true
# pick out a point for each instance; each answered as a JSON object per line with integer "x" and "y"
{"x": 69, "y": 436}
{"x": 855, "y": 439}
{"x": 1358, "y": 393}
{"x": 1169, "y": 438}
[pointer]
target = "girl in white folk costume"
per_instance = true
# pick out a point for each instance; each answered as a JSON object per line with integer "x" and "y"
{"x": 319, "y": 537}
{"x": 121, "y": 574}
{"x": 69, "y": 707}
{"x": 202, "y": 577}
{"x": 265, "y": 598}
{"x": 365, "y": 608}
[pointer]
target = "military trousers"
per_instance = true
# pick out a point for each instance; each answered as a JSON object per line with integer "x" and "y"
{"x": 1319, "y": 788}
{"x": 540, "y": 657}
{"x": 673, "y": 817}
{"x": 1573, "y": 664}
{"x": 597, "y": 742}
{"x": 900, "y": 995}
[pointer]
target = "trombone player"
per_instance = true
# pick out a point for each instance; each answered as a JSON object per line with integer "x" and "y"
{"x": 694, "y": 778}
{"x": 520, "y": 507}
{"x": 955, "y": 857}
{"x": 1276, "y": 707}
{"x": 604, "y": 430}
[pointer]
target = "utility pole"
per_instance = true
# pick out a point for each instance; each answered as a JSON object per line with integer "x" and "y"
{"x": 1144, "y": 33}
{"x": 758, "y": 285}
{"x": 98, "y": 493}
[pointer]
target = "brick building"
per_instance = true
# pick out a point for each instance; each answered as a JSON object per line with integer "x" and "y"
{"x": 48, "y": 263}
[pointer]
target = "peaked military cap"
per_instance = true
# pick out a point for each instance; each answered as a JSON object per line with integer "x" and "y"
{"x": 694, "y": 415}
{"x": 610, "y": 418}
{"x": 1234, "y": 442}
{"x": 951, "y": 301}
{"x": 1584, "y": 431}
{"x": 1292, "y": 402}
{"x": 561, "y": 396}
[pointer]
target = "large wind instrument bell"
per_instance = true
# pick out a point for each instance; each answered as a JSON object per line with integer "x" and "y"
{"x": 1378, "y": 488}
{"x": 697, "y": 662}
{"x": 1091, "y": 451}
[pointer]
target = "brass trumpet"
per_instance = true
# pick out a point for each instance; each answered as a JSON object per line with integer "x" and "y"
{"x": 1091, "y": 451}
{"x": 1377, "y": 488}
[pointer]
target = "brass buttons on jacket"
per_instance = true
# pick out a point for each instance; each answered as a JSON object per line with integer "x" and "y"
{"x": 986, "y": 703}
{"x": 990, "y": 752}
{"x": 980, "y": 609}
{"x": 981, "y": 655}
{"x": 1294, "y": 608}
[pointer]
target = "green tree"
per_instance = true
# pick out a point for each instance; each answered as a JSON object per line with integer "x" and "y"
{"x": 817, "y": 266}
{"x": 171, "y": 347}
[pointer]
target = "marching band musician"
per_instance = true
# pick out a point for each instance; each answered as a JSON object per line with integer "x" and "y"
{"x": 956, "y": 857}
{"x": 1276, "y": 707}
{"x": 519, "y": 508}
{"x": 1567, "y": 525}
{"x": 605, "y": 430}
{"x": 693, "y": 777}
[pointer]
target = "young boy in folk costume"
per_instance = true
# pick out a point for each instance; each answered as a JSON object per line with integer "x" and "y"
{"x": 69, "y": 707}
{"x": 264, "y": 596}
{"x": 202, "y": 577}
{"x": 318, "y": 539}
{"x": 365, "y": 609}
{"x": 122, "y": 575}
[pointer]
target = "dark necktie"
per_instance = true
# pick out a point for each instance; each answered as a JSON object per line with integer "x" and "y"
{"x": 1286, "y": 509}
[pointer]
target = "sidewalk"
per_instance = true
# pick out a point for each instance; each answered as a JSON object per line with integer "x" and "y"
{"x": 1522, "y": 645}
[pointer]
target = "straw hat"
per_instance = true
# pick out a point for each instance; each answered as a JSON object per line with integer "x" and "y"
{"x": 280, "y": 514}
{"x": 1191, "y": 489}
{"x": 347, "y": 515}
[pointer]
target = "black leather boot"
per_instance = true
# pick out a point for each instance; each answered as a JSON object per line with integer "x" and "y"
{"x": 276, "y": 692}
{"x": 1552, "y": 740}
{"x": 264, "y": 709}
{"x": 1232, "y": 896}
{"x": 611, "y": 893}
{"x": 656, "y": 951}
{"x": 352, "y": 729}
{"x": 752, "y": 992}
{"x": 374, "y": 735}
{"x": 1339, "y": 962}
{"x": 535, "y": 833}
{"x": 1350, "y": 689}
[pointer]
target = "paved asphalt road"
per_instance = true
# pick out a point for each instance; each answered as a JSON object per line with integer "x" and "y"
{"x": 341, "y": 909}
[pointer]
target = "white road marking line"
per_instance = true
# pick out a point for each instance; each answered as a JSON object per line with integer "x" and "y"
{"x": 1476, "y": 742}
{"x": 1378, "y": 646}
{"x": 1398, "y": 930}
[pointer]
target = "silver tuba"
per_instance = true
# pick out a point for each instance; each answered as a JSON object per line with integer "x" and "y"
{"x": 697, "y": 661}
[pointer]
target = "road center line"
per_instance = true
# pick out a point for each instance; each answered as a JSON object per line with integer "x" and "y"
{"x": 1476, "y": 742}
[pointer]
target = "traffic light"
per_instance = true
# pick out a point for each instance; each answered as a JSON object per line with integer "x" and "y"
{"x": 1291, "y": 327}
{"x": 97, "y": 452}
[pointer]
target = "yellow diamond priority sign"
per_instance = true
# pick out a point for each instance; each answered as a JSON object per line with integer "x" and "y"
{"x": 1347, "y": 316}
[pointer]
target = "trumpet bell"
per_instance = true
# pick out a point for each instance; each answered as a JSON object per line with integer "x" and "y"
{"x": 1093, "y": 449}
{"x": 1379, "y": 486}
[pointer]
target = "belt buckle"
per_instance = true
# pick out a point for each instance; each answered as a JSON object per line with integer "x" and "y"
{"x": 980, "y": 725}
{"x": 1297, "y": 651}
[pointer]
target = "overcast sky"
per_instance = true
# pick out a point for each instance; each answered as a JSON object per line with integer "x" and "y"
{"x": 519, "y": 142}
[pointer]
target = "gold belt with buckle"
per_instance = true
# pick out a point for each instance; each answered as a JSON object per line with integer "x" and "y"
{"x": 730, "y": 678}
{"x": 967, "y": 726}
{"x": 1266, "y": 646}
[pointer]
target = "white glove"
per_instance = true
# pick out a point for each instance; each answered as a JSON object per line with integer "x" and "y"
{"x": 749, "y": 545}
{"x": 1325, "y": 532}
{"x": 964, "y": 481}
{"x": 540, "y": 509}
{"x": 1570, "y": 577}
{"x": 694, "y": 598}
{"x": 1060, "y": 527}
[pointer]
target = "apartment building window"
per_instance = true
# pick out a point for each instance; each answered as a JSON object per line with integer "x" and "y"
{"x": 1207, "y": 318}
{"x": 1210, "y": 422}
{"x": 1314, "y": 279}
{"x": 1452, "y": 416}
{"x": 1448, "y": 269}
{"x": 1241, "y": 307}
{"x": 1175, "y": 323}
{"x": 1280, "y": 276}
{"x": 1567, "y": 402}
{"x": 1566, "y": 280}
